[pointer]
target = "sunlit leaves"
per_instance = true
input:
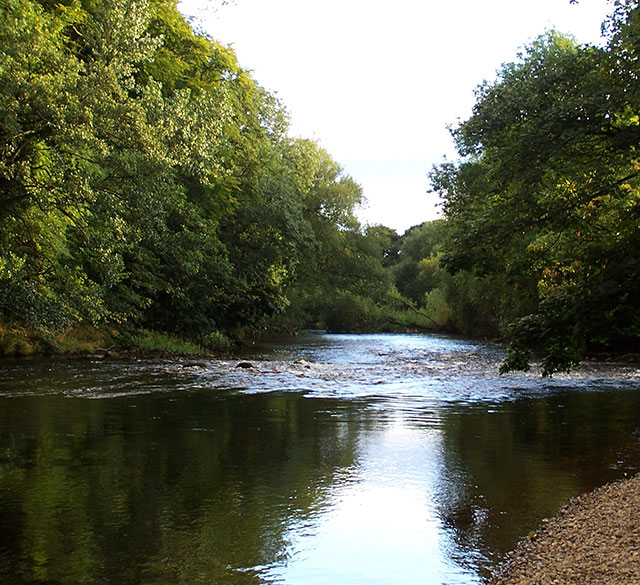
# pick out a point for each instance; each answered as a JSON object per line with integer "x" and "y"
{"x": 547, "y": 195}
{"x": 146, "y": 178}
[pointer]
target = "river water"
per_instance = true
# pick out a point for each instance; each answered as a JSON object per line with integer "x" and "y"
{"x": 333, "y": 459}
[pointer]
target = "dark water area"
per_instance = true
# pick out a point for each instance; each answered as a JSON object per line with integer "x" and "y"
{"x": 377, "y": 459}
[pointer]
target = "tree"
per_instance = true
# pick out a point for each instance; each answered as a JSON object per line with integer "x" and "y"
{"x": 148, "y": 181}
{"x": 419, "y": 243}
{"x": 547, "y": 196}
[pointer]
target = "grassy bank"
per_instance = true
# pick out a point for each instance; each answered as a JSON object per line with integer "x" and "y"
{"x": 21, "y": 342}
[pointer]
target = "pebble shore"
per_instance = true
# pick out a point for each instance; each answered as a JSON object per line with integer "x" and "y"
{"x": 593, "y": 540}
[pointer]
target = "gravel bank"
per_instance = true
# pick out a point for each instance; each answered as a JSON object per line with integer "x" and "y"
{"x": 594, "y": 540}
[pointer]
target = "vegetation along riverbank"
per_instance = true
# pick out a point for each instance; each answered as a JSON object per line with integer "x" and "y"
{"x": 149, "y": 188}
{"x": 594, "y": 539}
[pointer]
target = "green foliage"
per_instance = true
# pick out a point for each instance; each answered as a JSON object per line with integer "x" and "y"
{"x": 164, "y": 343}
{"x": 438, "y": 305}
{"x": 341, "y": 277}
{"x": 17, "y": 342}
{"x": 412, "y": 274}
{"x": 83, "y": 340}
{"x": 347, "y": 311}
{"x": 432, "y": 297}
{"x": 545, "y": 205}
{"x": 215, "y": 341}
{"x": 147, "y": 181}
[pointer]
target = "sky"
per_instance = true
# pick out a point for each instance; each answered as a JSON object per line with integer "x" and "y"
{"x": 378, "y": 84}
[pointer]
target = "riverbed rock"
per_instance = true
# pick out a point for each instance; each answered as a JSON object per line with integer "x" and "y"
{"x": 245, "y": 365}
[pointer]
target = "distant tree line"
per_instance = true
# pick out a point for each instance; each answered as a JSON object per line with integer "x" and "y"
{"x": 149, "y": 184}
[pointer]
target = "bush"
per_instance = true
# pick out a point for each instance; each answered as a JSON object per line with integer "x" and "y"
{"x": 162, "y": 342}
{"x": 436, "y": 305}
{"x": 215, "y": 341}
{"x": 16, "y": 342}
{"x": 350, "y": 312}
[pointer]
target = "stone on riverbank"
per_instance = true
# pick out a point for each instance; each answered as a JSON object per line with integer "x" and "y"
{"x": 594, "y": 540}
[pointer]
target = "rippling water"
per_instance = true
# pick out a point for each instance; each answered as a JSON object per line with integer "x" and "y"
{"x": 330, "y": 459}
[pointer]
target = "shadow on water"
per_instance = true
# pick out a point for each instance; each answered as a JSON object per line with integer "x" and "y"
{"x": 333, "y": 459}
{"x": 514, "y": 463}
{"x": 162, "y": 489}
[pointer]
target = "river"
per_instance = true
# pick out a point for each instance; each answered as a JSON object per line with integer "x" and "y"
{"x": 332, "y": 459}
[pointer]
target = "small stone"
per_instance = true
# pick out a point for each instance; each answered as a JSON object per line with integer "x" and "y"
{"x": 591, "y": 540}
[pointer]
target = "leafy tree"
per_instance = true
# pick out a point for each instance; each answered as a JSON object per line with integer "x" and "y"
{"x": 547, "y": 196}
{"x": 147, "y": 181}
{"x": 110, "y": 184}
{"x": 340, "y": 280}
{"x": 388, "y": 242}
{"x": 45, "y": 131}
{"x": 417, "y": 244}
{"x": 146, "y": 178}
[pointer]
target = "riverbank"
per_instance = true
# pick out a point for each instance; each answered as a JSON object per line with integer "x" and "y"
{"x": 594, "y": 539}
{"x": 102, "y": 341}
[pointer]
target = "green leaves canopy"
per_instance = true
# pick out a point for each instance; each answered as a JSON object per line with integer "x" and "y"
{"x": 547, "y": 195}
{"x": 146, "y": 180}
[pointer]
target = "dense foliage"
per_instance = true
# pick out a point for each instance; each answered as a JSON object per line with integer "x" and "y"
{"x": 545, "y": 203}
{"x": 149, "y": 188}
{"x": 147, "y": 181}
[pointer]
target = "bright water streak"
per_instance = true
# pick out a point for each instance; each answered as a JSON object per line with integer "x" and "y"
{"x": 333, "y": 459}
{"x": 382, "y": 525}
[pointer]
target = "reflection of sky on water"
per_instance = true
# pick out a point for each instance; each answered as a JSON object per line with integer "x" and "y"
{"x": 332, "y": 459}
{"x": 380, "y": 524}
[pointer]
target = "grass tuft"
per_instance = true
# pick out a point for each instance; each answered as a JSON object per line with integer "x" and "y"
{"x": 164, "y": 343}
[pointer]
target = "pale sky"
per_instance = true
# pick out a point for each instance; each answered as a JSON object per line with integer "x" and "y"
{"x": 377, "y": 83}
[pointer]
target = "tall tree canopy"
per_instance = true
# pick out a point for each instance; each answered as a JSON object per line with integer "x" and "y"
{"x": 146, "y": 180}
{"x": 546, "y": 197}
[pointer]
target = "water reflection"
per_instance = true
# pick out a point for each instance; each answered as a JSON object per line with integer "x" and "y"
{"x": 169, "y": 488}
{"x": 382, "y": 524}
{"x": 517, "y": 462}
{"x": 385, "y": 459}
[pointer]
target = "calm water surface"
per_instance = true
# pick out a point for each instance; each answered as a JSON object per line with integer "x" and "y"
{"x": 335, "y": 459}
